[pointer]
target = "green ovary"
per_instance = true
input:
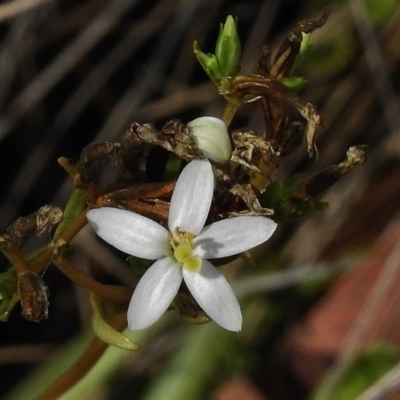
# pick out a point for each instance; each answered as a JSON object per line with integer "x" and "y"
{"x": 183, "y": 254}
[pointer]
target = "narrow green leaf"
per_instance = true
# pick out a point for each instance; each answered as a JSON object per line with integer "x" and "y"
{"x": 209, "y": 62}
{"x": 106, "y": 332}
{"x": 295, "y": 83}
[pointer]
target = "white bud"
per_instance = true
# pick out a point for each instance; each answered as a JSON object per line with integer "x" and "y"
{"x": 212, "y": 138}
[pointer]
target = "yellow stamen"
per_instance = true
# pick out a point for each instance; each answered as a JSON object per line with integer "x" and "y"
{"x": 193, "y": 264}
{"x": 182, "y": 247}
{"x": 182, "y": 252}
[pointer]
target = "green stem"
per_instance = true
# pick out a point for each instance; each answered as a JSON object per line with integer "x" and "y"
{"x": 231, "y": 108}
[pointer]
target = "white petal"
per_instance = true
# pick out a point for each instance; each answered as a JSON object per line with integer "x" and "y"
{"x": 232, "y": 236}
{"x": 215, "y": 296}
{"x": 129, "y": 232}
{"x": 212, "y": 138}
{"x": 154, "y": 293}
{"x": 191, "y": 199}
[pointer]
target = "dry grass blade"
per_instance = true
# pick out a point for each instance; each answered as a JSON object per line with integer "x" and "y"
{"x": 64, "y": 62}
{"x": 16, "y": 8}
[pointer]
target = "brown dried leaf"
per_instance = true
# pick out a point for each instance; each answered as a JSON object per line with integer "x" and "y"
{"x": 174, "y": 137}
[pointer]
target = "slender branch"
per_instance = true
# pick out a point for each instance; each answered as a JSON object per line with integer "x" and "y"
{"x": 16, "y": 258}
{"x": 40, "y": 263}
{"x": 45, "y": 258}
{"x": 83, "y": 365}
{"x": 74, "y": 228}
{"x": 15, "y": 8}
{"x": 117, "y": 294}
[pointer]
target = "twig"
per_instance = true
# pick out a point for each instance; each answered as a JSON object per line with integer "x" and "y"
{"x": 19, "y": 354}
{"x": 15, "y": 8}
{"x": 83, "y": 365}
{"x": 120, "y": 294}
{"x": 135, "y": 95}
{"x": 375, "y": 57}
{"x": 281, "y": 280}
{"x": 66, "y": 60}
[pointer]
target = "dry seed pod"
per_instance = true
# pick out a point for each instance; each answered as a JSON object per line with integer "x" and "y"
{"x": 34, "y": 294}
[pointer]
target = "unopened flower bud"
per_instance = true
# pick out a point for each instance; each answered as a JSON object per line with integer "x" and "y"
{"x": 212, "y": 138}
{"x": 228, "y": 49}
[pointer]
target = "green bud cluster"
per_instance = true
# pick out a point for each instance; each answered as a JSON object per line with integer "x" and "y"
{"x": 225, "y": 63}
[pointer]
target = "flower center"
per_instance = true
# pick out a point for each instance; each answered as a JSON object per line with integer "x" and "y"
{"x": 182, "y": 248}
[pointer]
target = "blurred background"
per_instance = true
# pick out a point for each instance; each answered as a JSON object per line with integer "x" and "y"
{"x": 77, "y": 72}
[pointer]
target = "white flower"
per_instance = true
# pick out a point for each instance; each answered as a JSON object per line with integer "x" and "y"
{"x": 212, "y": 138}
{"x": 182, "y": 250}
